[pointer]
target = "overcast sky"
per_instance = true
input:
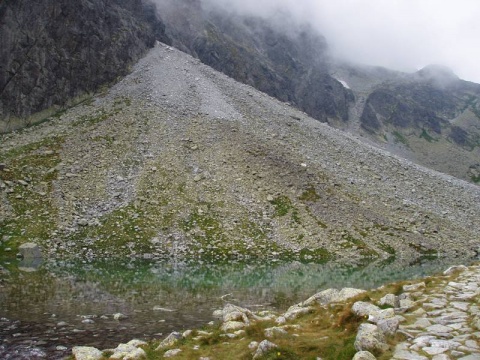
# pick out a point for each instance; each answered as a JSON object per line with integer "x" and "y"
{"x": 400, "y": 34}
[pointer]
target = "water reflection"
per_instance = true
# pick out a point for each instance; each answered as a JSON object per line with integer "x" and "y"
{"x": 74, "y": 303}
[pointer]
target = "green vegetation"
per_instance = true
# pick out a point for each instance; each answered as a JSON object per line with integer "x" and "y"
{"x": 282, "y": 205}
{"x": 425, "y": 135}
{"x": 400, "y": 138}
{"x": 30, "y": 169}
{"x": 363, "y": 248}
{"x": 309, "y": 195}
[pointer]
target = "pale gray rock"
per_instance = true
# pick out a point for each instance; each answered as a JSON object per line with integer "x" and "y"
{"x": 264, "y": 347}
{"x": 369, "y": 338}
{"x": 172, "y": 353}
{"x": 332, "y": 295}
{"x": 170, "y": 340}
{"x": 414, "y": 287}
{"x": 295, "y": 311}
{"x": 275, "y": 331}
{"x": 389, "y": 300}
{"x": 402, "y": 354}
{"x": 364, "y": 355}
{"x": 453, "y": 269}
{"x": 86, "y": 353}
{"x": 232, "y": 326}
{"x": 362, "y": 308}
{"x": 388, "y": 326}
{"x": 128, "y": 352}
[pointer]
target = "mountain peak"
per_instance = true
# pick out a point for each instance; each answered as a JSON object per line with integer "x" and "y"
{"x": 439, "y": 74}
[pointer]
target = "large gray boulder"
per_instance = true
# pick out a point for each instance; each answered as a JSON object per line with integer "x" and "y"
{"x": 86, "y": 353}
{"x": 370, "y": 338}
{"x": 364, "y": 355}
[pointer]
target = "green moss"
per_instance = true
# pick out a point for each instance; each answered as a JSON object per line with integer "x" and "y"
{"x": 282, "y": 205}
{"x": 309, "y": 195}
{"x": 475, "y": 179}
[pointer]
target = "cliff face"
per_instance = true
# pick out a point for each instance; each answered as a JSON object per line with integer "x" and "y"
{"x": 284, "y": 60}
{"x": 54, "y": 51}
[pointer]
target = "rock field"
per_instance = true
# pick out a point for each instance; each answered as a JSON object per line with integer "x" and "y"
{"x": 177, "y": 159}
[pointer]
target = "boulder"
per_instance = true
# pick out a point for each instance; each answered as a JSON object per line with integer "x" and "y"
{"x": 129, "y": 351}
{"x": 362, "y": 308}
{"x": 170, "y": 340}
{"x": 232, "y": 326}
{"x": 453, "y": 269}
{"x": 389, "y": 300}
{"x": 86, "y": 353}
{"x": 388, "y": 326}
{"x": 332, "y": 295}
{"x": 30, "y": 251}
{"x": 364, "y": 355}
{"x": 264, "y": 347}
{"x": 295, "y": 311}
{"x": 172, "y": 353}
{"x": 370, "y": 338}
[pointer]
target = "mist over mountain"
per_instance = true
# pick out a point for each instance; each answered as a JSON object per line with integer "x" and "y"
{"x": 289, "y": 50}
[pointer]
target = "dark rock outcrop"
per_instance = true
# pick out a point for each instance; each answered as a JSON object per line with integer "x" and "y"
{"x": 54, "y": 51}
{"x": 284, "y": 60}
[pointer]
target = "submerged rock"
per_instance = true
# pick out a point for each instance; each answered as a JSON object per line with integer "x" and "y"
{"x": 30, "y": 251}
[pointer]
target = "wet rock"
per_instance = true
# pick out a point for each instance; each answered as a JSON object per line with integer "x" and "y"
{"x": 30, "y": 251}
{"x": 86, "y": 353}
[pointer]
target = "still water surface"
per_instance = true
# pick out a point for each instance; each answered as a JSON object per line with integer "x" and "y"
{"x": 47, "y": 309}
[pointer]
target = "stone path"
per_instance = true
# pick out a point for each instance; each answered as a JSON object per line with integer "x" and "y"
{"x": 446, "y": 324}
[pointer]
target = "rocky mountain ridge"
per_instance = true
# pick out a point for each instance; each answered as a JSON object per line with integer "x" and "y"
{"x": 57, "y": 52}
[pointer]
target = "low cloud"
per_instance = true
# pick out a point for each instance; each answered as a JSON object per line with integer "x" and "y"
{"x": 400, "y": 34}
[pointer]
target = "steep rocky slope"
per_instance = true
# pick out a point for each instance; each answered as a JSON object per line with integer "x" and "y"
{"x": 276, "y": 55}
{"x": 53, "y": 52}
{"x": 431, "y": 116}
{"x": 179, "y": 160}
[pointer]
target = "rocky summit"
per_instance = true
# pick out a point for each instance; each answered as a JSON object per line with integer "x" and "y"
{"x": 177, "y": 159}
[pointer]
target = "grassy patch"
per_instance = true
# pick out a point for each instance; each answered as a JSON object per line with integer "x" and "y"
{"x": 426, "y": 136}
{"x": 31, "y": 170}
{"x": 361, "y": 246}
{"x": 400, "y": 138}
{"x": 282, "y": 205}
